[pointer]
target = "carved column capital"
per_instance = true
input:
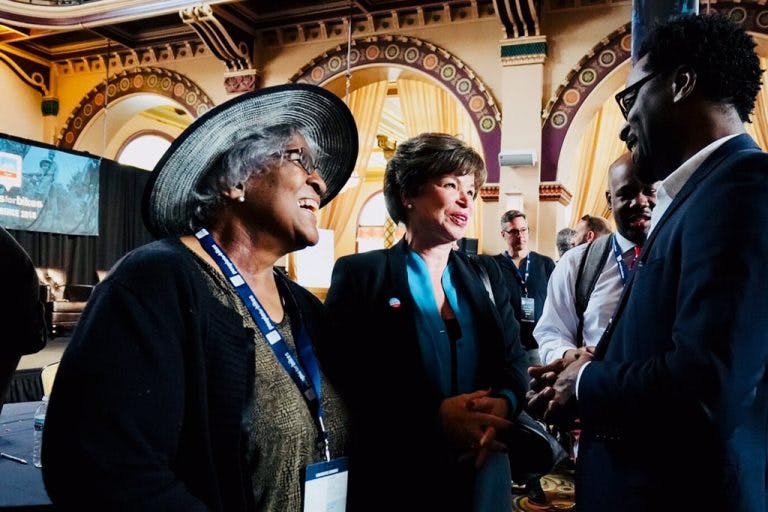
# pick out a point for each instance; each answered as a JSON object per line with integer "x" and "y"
{"x": 519, "y": 17}
{"x": 490, "y": 193}
{"x": 523, "y": 50}
{"x": 554, "y": 191}
{"x": 246, "y": 80}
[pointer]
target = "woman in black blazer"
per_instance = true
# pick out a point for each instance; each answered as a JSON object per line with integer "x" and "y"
{"x": 437, "y": 369}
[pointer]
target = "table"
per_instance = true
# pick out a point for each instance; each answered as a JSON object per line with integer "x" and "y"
{"x": 21, "y": 485}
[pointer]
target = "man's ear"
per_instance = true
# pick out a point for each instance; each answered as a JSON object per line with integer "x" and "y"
{"x": 608, "y": 198}
{"x": 684, "y": 83}
{"x": 590, "y": 236}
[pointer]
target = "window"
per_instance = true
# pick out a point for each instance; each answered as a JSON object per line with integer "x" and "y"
{"x": 144, "y": 150}
{"x": 375, "y": 229}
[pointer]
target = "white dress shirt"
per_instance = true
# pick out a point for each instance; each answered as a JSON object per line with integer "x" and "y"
{"x": 668, "y": 190}
{"x": 556, "y": 331}
{"x": 673, "y": 184}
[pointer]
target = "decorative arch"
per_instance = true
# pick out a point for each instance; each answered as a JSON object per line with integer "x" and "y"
{"x": 152, "y": 80}
{"x": 429, "y": 59}
{"x": 606, "y": 56}
{"x": 601, "y": 61}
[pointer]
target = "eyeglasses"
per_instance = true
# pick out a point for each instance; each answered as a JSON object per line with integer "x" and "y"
{"x": 515, "y": 232}
{"x": 626, "y": 98}
{"x": 300, "y": 158}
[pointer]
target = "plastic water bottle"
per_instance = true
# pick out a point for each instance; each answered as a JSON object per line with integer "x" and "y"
{"x": 39, "y": 423}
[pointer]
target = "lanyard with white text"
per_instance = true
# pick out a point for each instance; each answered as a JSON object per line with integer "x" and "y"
{"x": 309, "y": 387}
{"x": 522, "y": 279}
{"x": 623, "y": 269}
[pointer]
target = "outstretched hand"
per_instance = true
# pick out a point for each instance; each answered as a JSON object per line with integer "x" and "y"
{"x": 553, "y": 388}
{"x": 542, "y": 380}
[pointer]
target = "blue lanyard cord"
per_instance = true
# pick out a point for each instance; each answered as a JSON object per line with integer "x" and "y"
{"x": 309, "y": 382}
{"x": 623, "y": 269}
{"x": 522, "y": 279}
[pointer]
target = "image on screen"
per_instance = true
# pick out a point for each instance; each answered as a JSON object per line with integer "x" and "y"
{"x": 47, "y": 189}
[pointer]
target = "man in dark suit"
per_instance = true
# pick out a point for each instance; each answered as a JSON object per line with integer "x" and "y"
{"x": 21, "y": 312}
{"x": 674, "y": 405}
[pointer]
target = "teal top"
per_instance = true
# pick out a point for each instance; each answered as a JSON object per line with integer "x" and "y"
{"x": 492, "y": 491}
{"x": 435, "y": 342}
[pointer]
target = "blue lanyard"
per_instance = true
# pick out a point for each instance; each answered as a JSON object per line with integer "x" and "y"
{"x": 623, "y": 269}
{"x": 522, "y": 279}
{"x": 310, "y": 387}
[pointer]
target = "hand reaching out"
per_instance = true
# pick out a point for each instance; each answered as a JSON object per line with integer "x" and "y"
{"x": 574, "y": 354}
{"x": 554, "y": 388}
{"x": 542, "y": 380}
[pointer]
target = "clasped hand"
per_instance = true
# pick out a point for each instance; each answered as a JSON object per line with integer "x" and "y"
{"x": 553, "y": 387}
{"x": 471, "y": 421}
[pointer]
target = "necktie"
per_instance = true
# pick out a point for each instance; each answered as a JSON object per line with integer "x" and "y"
{"x": 630, "y": 257}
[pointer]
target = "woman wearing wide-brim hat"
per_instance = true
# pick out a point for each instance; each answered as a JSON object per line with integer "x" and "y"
{"x": 192, "y": 382}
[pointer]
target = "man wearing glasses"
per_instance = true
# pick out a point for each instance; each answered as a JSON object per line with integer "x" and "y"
{"x": 529, "y": 271}
{"x": 526, "y": 273}
{"x": 676, "y": 396}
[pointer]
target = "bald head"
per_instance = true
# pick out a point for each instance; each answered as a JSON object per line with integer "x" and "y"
{"x": 629, "y": 199}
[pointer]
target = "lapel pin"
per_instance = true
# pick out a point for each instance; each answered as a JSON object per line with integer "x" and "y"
{"x": 394, "y": 302}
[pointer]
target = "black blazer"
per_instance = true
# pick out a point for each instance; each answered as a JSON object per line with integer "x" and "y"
{"x": 680, "y": 397}
{"x": 399, "y": 449}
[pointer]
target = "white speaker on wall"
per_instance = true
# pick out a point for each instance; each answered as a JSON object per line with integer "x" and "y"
{"x": 517, "y": 157}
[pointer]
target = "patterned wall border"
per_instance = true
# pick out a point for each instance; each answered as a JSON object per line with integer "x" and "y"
{"x": 526, "y": 50}
{"x": 137, "y": 80}
{"x": 32, "y": 72}
{"x": 426, "y": 57}
{"x": 606, "y": 56}
{"x": 581, "y": 81}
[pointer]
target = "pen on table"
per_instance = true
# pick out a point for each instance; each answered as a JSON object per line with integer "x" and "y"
{"x": 14, "y": 459}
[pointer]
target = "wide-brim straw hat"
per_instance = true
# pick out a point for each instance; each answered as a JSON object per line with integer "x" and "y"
{"x": 321, "y": 114}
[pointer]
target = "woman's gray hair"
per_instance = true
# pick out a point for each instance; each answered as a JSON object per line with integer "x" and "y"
{"x": 255, "y": 153}
{"x": 421, "y": 158}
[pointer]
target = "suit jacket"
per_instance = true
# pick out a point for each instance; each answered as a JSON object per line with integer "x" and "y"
{"x": 679, "y": 399}
{"x": 400, "y": 454}
{"x": 541, "y": 269}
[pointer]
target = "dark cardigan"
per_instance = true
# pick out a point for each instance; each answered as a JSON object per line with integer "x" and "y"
{"x": 147, "y": 409}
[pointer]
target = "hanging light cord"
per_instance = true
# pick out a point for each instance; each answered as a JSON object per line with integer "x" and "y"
{"x": 348, "y": 76}
{"x": 106, "y": 98}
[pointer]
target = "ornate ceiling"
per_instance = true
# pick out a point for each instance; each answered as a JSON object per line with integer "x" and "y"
{"x": 61, "y": 30}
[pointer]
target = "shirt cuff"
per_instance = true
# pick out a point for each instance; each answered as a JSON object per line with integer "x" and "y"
{"x": 559, "y": 352}
{"x": 578, "y": 377}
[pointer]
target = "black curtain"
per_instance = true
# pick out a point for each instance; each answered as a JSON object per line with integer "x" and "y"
{"x": 120, "y": 228}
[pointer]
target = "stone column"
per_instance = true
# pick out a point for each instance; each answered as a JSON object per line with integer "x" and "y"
{"x": 522, "y": 61}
